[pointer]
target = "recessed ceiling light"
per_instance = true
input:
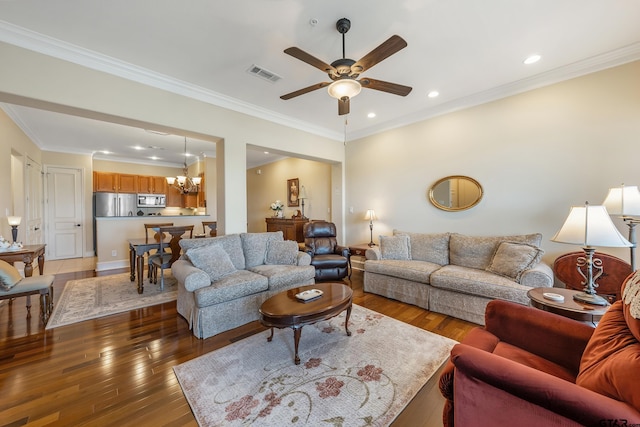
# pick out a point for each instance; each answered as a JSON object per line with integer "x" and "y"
{"x": 266, "y": 152}
{"x": 137, "y": 147}
{"x": 105, "y": 152}
{"x": 155, "y": 158}
{"x": 532, "y": 59}
{"x": 371, "y": 115}
{"x": 433, "y": 94}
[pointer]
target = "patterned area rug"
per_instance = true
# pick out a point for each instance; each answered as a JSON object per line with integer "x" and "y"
{"x": 366, "y": 379}
{"x": 101, "y": 296}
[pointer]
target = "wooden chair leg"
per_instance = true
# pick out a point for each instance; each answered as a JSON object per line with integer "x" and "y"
{"x": 28, "y": 306}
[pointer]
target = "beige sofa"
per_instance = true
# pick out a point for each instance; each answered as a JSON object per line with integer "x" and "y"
{"x": 222, "y": 281}
{"x": 455, "y": 274}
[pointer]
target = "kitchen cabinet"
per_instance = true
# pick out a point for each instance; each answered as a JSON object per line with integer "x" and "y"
{"x": 174, "y": 197}
{"x": 114, "y": 182}
{"x": 292, "y": 228}
{"x": 152, "y": 184}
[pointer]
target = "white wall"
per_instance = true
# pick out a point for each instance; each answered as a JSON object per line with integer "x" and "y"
{"x": 535, "y": 154}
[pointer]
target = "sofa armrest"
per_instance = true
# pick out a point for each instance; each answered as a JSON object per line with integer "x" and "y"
{"x": 303, "y": 258}
{"x": 373, "y": 253}
{"x": 541, "y": 275}
{"x": 190, "y": 276}
{"x": 476, "y": 370}
{"x": 548, "y": 335}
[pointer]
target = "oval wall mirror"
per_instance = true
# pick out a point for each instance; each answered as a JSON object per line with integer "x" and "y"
{"x": 455, "y": 193}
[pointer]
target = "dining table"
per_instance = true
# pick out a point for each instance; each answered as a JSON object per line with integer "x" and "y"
{"x": 137, "y": 249}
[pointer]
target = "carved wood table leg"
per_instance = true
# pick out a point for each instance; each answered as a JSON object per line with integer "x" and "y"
{"x": 296, "y": 341}
{"x": 346, "y": 321}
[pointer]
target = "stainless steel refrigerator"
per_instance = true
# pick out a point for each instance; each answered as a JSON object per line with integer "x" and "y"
{"x": 114, "y": 204}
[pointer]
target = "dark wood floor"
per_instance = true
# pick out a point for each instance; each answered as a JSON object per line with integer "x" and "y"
{"x": 117, "y": 370}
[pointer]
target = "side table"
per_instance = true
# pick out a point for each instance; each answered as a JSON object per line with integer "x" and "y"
{"x": 567, "y": 308}
{"x": 358, "y": 251}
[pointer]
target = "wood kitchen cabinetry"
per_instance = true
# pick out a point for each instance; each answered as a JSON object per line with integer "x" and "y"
{"x": 292, "y": 228}
{"x": 152, "y": 184}
{"x": 115, "y": 182}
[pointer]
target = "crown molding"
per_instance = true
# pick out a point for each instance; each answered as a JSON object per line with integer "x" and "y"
{"x": 596, "y": 63}
{"x": 31, "y": 40}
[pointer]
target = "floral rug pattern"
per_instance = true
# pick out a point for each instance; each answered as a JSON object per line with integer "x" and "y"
{"x": 362, "y": 380}
{"x": 95, "y": 297}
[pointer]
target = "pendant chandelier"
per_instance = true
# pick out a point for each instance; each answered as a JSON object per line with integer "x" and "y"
{"x": 184, "y": 183}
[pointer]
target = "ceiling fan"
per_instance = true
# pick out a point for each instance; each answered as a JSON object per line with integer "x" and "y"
{"x": 344, "y": 72}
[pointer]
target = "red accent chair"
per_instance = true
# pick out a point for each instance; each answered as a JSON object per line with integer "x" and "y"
{"x": 528, "y": 367}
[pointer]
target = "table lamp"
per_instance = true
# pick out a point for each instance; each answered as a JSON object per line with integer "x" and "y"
{"x": 589, "y": 226}
{"x": 625, "y": 203}
{"x": 14, "y": 222}
{"x": 370, "y": 216}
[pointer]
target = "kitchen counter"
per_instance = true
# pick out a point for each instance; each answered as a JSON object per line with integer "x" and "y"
{"x": 113, "y": 234}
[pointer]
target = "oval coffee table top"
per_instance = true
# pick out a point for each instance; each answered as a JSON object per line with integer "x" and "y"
{"x": 285, "y": 310}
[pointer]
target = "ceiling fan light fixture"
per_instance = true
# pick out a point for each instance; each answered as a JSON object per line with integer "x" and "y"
{"x": 344, "y": 87}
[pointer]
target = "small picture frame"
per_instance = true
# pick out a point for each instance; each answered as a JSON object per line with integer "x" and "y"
{"x": 293, "y": 191}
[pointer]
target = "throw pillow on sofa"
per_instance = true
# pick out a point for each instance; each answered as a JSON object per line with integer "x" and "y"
{"x": 211, "y": 259}
{"x": 511, "y": 259}
{"x": 282, "y": 253}
{"x": 395, "y": 247}
{"x": 9, "y": 276}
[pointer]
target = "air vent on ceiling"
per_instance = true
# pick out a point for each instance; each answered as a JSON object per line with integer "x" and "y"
{"x": 263, "y": 73}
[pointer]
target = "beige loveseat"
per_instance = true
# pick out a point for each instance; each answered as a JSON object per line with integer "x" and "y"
{"x": 222, "y": 281}
{"x": 455, "y": 274}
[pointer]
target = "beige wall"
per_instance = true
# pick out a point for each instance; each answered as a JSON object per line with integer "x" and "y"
{"x": 535, "y": 154}
{"x": 32, "y": 79}
{"x": 270, "y": 185}
{"x": 13, "y": 142}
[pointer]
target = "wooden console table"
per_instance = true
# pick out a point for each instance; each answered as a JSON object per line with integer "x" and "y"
{"x": 26, "y": 255}
{"x": 290, "y": 227}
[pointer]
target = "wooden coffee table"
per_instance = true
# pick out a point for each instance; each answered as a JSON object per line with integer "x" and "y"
{"x": 284, "y": 310}
{"x": 569, "y": 307}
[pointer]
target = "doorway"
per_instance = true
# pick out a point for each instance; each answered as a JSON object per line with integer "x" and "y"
{"x": 64, "y": 212}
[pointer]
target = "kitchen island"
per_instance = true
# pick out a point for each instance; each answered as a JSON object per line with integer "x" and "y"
{"x": 113, "y": 235}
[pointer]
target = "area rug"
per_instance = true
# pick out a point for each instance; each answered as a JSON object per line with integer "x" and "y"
{"x": 365, "y": 379}
{"x": 101, "y": 296}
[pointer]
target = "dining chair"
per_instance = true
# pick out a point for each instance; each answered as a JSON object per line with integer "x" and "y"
{"x": 213, "y": 228}
{"x": 157, "y": 236}
{"x": 163, "y": 259}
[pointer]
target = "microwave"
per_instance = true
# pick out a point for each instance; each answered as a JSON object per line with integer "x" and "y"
{"x": 152, "y": 201}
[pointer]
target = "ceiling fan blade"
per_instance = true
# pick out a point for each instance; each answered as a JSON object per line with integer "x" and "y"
{"x": 305, "y": 90}
{"x": 343, "y": 106}
{"x": 309, "y": 59}
{"x": 383, "y": 86}
{"x": 382, "y": 52}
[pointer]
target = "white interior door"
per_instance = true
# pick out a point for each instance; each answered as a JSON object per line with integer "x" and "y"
{"x": 65, "y": 223}
{"x": 35, "y": 203}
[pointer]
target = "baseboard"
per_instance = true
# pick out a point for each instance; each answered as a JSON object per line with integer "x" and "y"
{"x": 112, "y": 265}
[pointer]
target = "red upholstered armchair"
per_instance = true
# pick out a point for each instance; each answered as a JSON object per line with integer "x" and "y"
{"x": 528, "y": 367}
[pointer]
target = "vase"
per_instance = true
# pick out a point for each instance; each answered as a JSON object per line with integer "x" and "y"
{"x": 279, "y": 214}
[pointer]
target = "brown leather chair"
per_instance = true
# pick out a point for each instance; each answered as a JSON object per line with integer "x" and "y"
{"x": 609, "y": 273}
{"x": 163, "y": 259}
{"x": 330, "y": 260}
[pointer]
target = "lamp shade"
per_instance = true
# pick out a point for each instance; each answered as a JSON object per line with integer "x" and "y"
{"x": 303, "y": 193}
{"x": 623, "y": 201}
{"x": 14, "y": 220}
{"x": 344, "y": 87}
{"x": 590, "y": 226}
{"x": 370, "y": 215}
